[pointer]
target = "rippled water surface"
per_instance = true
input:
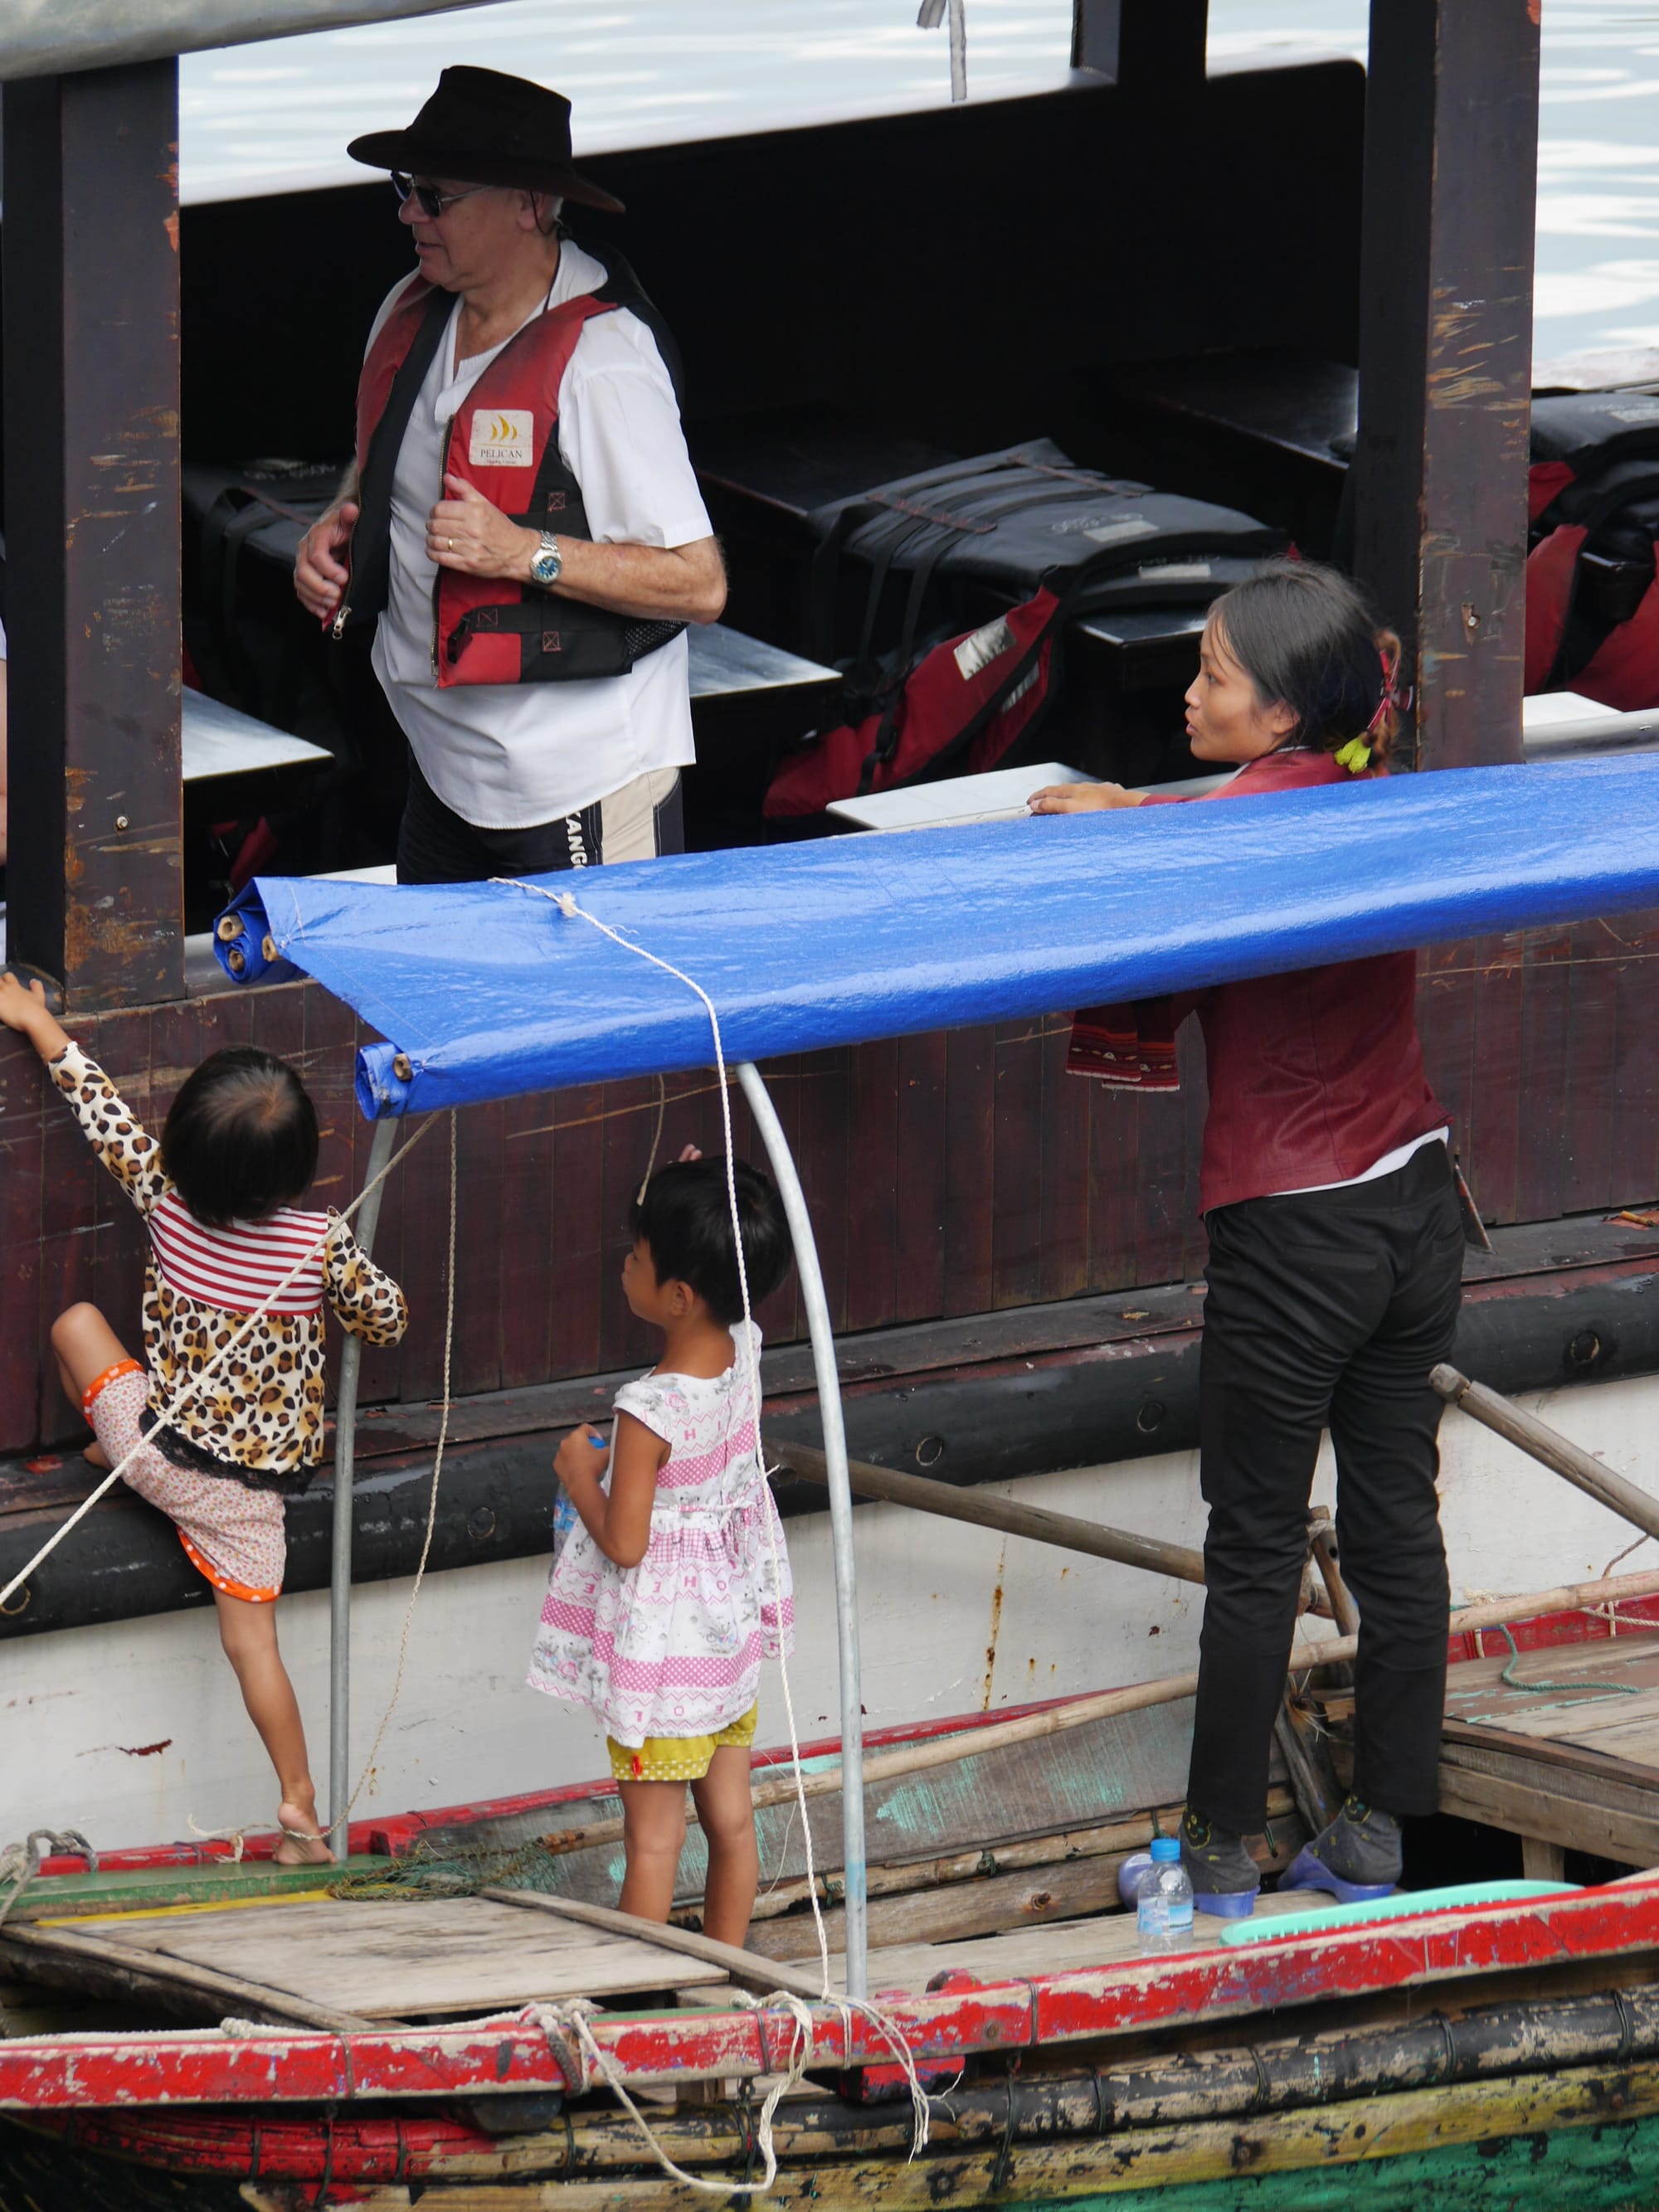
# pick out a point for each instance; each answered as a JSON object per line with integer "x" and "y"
{"x": 641, "y": 71}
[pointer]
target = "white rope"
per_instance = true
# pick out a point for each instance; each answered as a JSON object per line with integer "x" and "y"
{"x": 573, "y": 2018}
{"x": 567, "y": 905}
{"x": 341, "y": 1823}
{"x": 198, "y": 1383}
{"x": 236, "y": 1838}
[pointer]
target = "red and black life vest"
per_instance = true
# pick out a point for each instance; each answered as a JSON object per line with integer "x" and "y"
{"x": 503, "y": 440}
{"x": 1593, "y": 569}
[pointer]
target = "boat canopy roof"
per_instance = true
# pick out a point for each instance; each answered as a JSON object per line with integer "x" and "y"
{"x": 489, "y": 990}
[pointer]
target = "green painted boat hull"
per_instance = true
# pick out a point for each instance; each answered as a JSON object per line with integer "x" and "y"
{"x": 1612, "y": 2166}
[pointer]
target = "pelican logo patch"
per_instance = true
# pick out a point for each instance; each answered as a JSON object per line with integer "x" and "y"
{"x": 502, "y": 437}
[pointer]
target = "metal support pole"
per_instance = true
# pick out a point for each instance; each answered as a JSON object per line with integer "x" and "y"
{"x": 840, "y": 1523}
{"x": 345, "y": 1451}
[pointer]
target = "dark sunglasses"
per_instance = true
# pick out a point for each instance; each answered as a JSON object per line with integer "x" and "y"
{"x": 430, "y": 201}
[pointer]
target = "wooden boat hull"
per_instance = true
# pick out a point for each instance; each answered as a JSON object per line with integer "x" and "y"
{"x": 1574, "y": 2140}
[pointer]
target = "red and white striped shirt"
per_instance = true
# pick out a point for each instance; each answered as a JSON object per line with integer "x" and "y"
{"x": 241, "y": 1267}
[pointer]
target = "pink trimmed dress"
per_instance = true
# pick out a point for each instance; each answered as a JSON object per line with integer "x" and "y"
{"x": 673, "y": 1647}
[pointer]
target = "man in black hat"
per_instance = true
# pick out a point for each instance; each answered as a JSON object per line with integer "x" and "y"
{"x": 522, "y": 525}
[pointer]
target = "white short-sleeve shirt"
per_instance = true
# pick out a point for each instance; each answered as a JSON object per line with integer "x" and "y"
{"x": 507, "y": 755}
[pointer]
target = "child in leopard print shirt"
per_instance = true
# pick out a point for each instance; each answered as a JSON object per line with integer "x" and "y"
{"x": 239, "y": 1145}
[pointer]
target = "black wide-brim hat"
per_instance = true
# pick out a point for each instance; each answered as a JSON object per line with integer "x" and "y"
{"x": 483, "y": 128}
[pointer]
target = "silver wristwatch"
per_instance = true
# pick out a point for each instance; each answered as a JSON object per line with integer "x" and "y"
{"x": 546, "y": 562}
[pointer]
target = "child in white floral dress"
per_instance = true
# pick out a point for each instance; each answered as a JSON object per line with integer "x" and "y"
{"x": 662, "y": 1604}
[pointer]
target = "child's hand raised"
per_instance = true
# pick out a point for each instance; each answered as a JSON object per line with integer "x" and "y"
{"x": 25, "y": 1011}
{"x": 584, "y": 1453}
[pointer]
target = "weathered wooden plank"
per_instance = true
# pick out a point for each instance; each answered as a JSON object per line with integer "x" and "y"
{"x": 1445, "y": 1023}
{"x": 427, "y": 1955}
{"x": 1605, "y": 1830}
{"x": 1161, "y": 1180}
{"x": 1459, "y": 2146}
{"x": 484, "y": 1229}
{"x": 1017, "y": 1177}
{"x": 1590, "y": 1167}
{"x": 742, "y": 1968}
{"x": 578, "y": 1224}
{"x": 872, "y": 1185}
{"x": 1489, "y": 1143}
{"x": 136, "y": 1969}
{"x": 1114, "y": 1171}
{"x": 1546, "y": 1007}
{"x": 920, "y": 1201}
{"x": 1439, "y": 473}
{"x": 969, "y": 1170}
{"x": 95, "y": 877}
{"x": 821, "y": 1158}
{"x": 1061, "y": 1947}
{"x": 1063, "y": 1249}
{"x": 1636, "y": 1096}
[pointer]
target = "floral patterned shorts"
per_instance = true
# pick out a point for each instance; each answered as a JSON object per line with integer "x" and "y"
{"x": 236, "y": 1536}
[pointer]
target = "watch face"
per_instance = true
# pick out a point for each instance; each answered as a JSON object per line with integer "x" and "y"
{"x": 545, "y": 567}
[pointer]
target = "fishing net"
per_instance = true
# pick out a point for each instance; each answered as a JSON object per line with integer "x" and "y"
{"x": 445, "y": 1867}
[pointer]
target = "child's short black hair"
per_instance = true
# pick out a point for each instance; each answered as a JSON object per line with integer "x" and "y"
{"x": 241, "y": 1138}
{"x": 684, "y": 1215}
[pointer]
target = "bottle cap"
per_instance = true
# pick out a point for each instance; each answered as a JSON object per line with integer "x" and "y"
{"x": 1165, "y": 1848}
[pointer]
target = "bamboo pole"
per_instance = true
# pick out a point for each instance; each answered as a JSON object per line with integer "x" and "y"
{"x": 1035, "y": 1521}
{"x": 1550, "y": 1448}
{"x": 1108, "y": 1705}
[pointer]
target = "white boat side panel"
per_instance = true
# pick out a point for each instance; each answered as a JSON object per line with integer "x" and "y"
{"x": 134, "y": 1731}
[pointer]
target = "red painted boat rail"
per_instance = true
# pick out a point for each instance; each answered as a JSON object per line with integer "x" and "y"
{"x": 255, "y": 2065}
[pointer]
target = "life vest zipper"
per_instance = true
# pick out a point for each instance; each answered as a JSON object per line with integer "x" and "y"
{"x": 437, "y": 571}
{"x": 343, "y": 613}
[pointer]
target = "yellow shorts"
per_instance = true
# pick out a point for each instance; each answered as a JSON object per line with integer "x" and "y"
{"x": 677, "y": 1758}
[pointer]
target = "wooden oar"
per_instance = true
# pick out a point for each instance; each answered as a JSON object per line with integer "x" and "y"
{"x": 1034, "y": 1522}
{"x": 1550, "y": 1448}
{"x": 1106, "y": 1705}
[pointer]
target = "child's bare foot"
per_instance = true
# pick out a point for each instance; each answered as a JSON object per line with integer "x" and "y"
{"x": 95, "y": 1456}
{"x": 303, "y": 1843}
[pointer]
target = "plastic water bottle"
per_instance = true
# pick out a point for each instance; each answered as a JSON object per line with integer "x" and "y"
{"x": 1163, "y": 1904}
{"x": 566, "y": 1519}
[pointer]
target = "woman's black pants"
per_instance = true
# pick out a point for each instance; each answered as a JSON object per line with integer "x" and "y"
{"x": 1325, "y": 1310}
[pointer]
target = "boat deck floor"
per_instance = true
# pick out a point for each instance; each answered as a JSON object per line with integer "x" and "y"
{"x": 383, "y": 1960}
{"x": 1565, "y": 1753}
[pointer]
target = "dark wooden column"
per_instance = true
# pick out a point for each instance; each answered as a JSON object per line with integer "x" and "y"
{"x": 1445, "y": 357}
{"x": 1152, "y": 45}
{"x": 92, "y": 531}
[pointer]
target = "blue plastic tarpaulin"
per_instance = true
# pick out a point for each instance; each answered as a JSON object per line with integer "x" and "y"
{"x": 488, "y": 990}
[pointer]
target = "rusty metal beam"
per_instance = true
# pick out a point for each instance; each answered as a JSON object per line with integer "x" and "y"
{"x": 1150, "y": 46}
{"x": 91, "y": 374}
{"x": 1445, "y": 358}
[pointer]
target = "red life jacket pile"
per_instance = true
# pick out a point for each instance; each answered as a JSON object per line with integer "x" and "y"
{"x": 1593, "y": 566}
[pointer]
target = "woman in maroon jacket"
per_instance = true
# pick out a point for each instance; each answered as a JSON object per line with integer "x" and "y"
{"x": 1335, "y": 1271}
